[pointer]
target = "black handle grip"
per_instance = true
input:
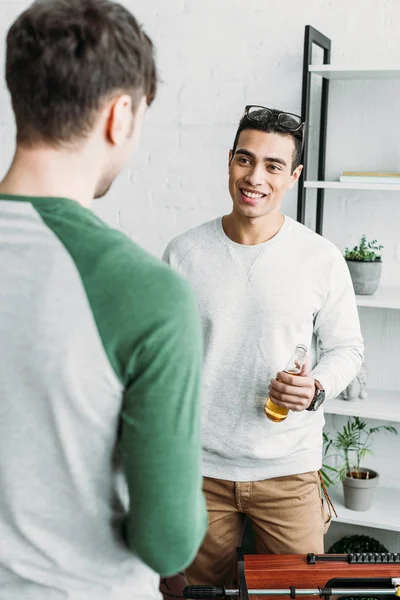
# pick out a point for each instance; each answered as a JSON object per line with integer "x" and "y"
{"x": 203, "y": 591}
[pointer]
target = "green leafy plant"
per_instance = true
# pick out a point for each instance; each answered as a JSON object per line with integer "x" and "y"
{"x": 365, "y": 251}
{"x": 349, "y": 447}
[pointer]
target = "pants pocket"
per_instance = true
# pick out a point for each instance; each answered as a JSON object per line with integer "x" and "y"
{"x": 326, "y": 516}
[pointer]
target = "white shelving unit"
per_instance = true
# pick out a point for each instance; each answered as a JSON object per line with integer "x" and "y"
{"x": 380, "y": 404}
{"x": 383, "y": 514}
{"x": 384, "y": 297}
{"x": 332, "y": 72}
{"x": 339, "y": 185}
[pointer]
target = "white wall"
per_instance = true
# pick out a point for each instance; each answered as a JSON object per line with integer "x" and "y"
{"x": 214, "y": 57}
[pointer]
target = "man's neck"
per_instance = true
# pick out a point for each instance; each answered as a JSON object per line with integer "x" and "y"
{"x": 250, "y": 232}
{"x": 47, "y": 172}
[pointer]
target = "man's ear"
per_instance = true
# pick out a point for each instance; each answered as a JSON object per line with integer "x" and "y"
{"x": 119, "y": 119}
{"x": 295, "y": 176}
{"x": 230, "y": 156}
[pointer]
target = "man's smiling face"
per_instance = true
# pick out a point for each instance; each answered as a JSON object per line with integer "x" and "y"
{"x": 260, "y": 172}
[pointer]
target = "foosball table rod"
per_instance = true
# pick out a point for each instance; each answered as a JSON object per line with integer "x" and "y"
{"x": 203, "y": 591}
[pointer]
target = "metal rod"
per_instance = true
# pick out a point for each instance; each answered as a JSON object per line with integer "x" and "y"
{"x": 318, "y": 592}
{"x": 314, "y": 558}
{"x": 378, "y": 592}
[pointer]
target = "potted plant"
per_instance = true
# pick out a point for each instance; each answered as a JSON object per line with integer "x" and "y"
{"x": 351, "y": 445}
{"x": 365, "y": 266}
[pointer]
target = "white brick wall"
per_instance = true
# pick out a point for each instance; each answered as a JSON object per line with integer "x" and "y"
{"x": 214, "y": 57}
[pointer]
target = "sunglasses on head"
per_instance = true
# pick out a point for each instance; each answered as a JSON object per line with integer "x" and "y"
{"x": 288, "y": 121}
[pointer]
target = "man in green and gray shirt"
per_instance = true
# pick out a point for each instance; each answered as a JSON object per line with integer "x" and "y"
{"x": 100, "y": 485}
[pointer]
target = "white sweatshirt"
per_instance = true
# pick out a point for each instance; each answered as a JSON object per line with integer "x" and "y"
{"x": 257, "y": 303}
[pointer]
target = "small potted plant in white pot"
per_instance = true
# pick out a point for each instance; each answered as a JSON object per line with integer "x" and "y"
{"x": 352, "y": 444}
{"x": 365, "y": 266}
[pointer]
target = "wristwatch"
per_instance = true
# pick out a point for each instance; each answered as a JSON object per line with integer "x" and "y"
{"x": 319, "y": 396}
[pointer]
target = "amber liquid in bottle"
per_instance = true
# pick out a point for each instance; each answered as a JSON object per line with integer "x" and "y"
{"x": 276, "y": 413}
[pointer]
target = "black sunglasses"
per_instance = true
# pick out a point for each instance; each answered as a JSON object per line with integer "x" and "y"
{"x": 288, "y": 121}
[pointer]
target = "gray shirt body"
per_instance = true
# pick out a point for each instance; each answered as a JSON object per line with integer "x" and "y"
{"x": 257, "y": 303}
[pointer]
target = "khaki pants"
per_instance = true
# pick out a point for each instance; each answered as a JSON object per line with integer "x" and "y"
{"x": 287, "y": 516}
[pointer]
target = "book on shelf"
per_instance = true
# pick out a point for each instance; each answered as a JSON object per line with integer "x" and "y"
{"x": 370, "y": 177}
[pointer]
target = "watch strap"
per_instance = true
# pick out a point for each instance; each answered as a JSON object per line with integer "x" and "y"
{"x": 319, "y": 391}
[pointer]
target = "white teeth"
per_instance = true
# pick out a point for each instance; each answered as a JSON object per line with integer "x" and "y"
{"x": 251, "y": 194}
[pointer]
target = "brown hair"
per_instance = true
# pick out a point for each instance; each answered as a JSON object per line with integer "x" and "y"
{"x": 271, "y": 125}
{"x": 65, "y": 58}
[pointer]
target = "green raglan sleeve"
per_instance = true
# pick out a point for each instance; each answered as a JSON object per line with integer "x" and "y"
{"x": 149, "y": 326}
{"x": 160, "y": 440}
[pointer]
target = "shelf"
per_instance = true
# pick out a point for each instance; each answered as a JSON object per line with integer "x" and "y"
{"x": 332, "y": 72}
{"x": 381, "y": 404}
{"x": 383, "y": 514}
{"x": 339, "y": 185}
{"x": 384, "y": 297}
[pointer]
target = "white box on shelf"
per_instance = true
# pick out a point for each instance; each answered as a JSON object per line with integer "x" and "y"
{"x": 338, "y": 185}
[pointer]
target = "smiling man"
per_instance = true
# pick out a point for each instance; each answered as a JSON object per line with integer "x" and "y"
{"x": 264, "y": 284}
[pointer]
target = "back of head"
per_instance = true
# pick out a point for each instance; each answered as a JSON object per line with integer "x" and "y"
{"x": 276, "y": 122}
{"x": 65, "y": 58}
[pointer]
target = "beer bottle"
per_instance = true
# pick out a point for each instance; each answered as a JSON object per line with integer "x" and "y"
{"x": 296, "y": 363}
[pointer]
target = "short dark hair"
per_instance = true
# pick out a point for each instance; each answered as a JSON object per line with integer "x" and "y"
{"x": 65, "y": 58}
{"x": 271, "y": 125}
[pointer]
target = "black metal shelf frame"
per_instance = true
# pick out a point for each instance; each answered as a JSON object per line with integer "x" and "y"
{"x": 311, "y": 37}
